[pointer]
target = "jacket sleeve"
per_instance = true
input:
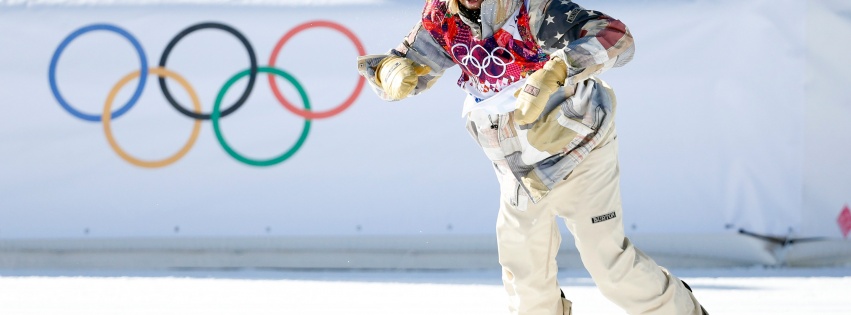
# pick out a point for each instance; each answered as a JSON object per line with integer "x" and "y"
{"x": 420, "y": 47}
{"x": 585, "y": 39}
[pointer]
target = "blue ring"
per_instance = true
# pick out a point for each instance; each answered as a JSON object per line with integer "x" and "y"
{"x": 143, "y": 76}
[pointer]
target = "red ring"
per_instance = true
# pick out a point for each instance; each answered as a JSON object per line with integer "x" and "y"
{"x": 305, "y": 113}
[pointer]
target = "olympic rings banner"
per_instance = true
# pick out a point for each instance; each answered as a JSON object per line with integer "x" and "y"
{"x": 221, "y": 120}
{"x": 218, "y": 112}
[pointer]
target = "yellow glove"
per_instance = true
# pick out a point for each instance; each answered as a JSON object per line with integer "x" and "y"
{"x": 532, "y": 98}
{"x": 397, "y": 76}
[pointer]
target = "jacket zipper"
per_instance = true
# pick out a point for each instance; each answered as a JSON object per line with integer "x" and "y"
{"x": 494, "y": 124}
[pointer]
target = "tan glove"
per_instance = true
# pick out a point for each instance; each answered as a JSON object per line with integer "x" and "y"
{"x": 532, "y": 98}
{"x": 397, "y": 76}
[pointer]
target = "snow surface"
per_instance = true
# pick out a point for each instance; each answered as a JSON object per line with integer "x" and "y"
{"x": 723, "y": 291}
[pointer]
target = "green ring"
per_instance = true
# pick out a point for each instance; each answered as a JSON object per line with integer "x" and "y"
{"x": 216, "y": 114}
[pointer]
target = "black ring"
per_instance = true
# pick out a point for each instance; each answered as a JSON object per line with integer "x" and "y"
{"x": 251, "y": 77}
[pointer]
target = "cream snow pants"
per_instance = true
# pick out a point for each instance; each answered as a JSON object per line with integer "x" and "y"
{"x": 589, "y": 201}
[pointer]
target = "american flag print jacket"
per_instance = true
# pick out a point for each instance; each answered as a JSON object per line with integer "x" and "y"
{"x": 517, "y": 37}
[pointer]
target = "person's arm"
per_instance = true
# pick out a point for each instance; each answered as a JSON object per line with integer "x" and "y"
{"x": 580, "y": 42}
{"x": 420, "y": 48}
{"x": 589, "y": 41}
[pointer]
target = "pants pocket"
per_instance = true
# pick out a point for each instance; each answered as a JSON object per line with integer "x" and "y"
{"x": 515, "y": 195}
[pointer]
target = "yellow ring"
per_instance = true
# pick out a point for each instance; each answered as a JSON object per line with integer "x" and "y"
{"x": 106, "y": 119}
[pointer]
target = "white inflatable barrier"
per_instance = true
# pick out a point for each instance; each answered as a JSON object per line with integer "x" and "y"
{"x": 186, "y": 134}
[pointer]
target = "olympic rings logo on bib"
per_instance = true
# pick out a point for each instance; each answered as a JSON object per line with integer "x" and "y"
{"x": 218, "y": 112}
{"x": 490, "y": 61}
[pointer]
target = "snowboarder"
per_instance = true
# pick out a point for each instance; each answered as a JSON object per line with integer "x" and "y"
{"x": 546, "y": 121}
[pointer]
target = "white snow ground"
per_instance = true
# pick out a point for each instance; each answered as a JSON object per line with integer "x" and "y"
{"x": 724, "y": 291}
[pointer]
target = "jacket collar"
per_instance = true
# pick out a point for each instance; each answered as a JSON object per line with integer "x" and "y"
{"x": 495, "y": 13}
